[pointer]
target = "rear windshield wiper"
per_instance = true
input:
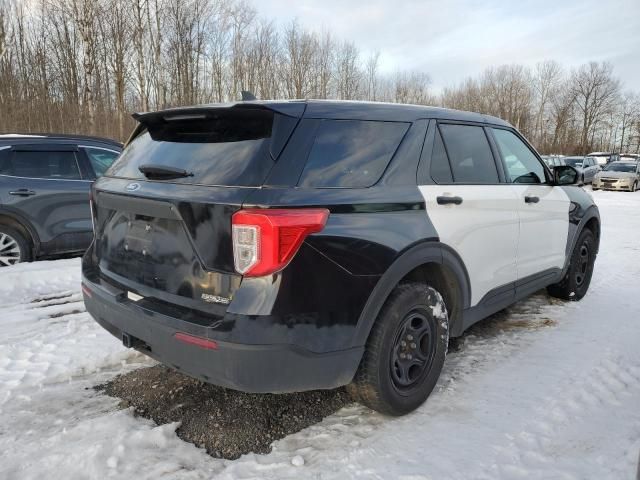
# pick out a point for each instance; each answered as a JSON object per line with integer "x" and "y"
{"x": 160, "y": 172}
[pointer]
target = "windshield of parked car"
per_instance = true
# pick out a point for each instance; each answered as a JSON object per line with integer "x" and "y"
{"x": 573, "y": 162}
{"x": 621, "y": 167}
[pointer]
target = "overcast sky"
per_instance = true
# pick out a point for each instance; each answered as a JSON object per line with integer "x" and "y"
{"x": 452, "y": 39}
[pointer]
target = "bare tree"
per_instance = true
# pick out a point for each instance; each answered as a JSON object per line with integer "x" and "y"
{"x": 413, "y": 87}
{"x": 348, "y": 73}
{"x": 299, "y": 52}
{"x": 628, "y": 113}
{"x": 596, "y": 91}
{"x": 81, "y": 66}
{"x": 547, "y": 78}
{"x": 371, "y": 69}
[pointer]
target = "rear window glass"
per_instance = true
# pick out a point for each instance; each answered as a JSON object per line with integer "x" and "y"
{"x": 351, "y": 153}
{"x": 230, "y": 148}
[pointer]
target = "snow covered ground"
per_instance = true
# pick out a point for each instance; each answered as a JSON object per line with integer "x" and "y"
{"x": 549, "y": 390}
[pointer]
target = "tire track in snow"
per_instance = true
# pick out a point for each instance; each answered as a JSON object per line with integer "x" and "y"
{"x": 613, "y": 382}
{"x": 494, "y": 339}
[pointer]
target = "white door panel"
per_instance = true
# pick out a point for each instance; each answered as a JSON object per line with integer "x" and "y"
{"x": 483, "y": 230}
{"x": 544, "y": 227}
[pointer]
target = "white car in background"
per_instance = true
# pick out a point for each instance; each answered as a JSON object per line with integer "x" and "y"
{"x": 618, "y": 176}
{"x": 630, "y": 157}
{"x": 604, "y": 157}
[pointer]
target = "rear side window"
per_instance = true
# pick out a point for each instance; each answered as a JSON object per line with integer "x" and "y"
{"x": 469, "y": 154}
{"x": 42, "y": 164}
{"x": 440, "y": 168}
{"x": 100, "y": 159}
{"x": 229, "y": 148}
{"x": 351, "y": 153}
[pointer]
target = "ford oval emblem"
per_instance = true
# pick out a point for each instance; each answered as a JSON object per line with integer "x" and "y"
{"x": 132, "y": 187}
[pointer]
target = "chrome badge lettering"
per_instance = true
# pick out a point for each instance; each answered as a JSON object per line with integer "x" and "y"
{"x": 215, "y": 299}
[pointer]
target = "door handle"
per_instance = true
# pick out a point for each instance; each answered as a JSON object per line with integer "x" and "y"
{"x": 22, "y": 192}
{"x": 528, "y": 199}
{"x": 443, "y": 200}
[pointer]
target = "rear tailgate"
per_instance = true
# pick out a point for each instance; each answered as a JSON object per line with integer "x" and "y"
{"x": 168, "y": 239}
{"x": 168, "y": 242}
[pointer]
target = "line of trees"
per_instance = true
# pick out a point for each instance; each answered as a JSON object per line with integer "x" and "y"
{"x": 83, "y": 66}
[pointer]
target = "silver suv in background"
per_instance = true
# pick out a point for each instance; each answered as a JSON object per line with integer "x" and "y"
{"x": 604, "y": 157}
{"x": 45, "y": 182}
{"x": 587, "y": 167}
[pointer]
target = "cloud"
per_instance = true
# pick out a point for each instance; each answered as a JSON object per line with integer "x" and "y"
{"x": 457, "y": 38}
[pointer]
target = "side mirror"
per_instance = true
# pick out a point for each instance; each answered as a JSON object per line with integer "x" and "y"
{"x": 565, "y": 175}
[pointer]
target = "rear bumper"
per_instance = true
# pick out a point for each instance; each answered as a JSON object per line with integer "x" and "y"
{"x": 275, "y": 368}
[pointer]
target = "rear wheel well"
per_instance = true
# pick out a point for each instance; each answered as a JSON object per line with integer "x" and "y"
{"x": 444, "y": 281}
{"x": 16, "y": 225}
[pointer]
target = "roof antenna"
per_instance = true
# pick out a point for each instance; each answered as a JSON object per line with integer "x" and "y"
{"x": 247, "y": 96}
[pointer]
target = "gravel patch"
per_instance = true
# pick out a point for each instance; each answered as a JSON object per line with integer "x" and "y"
{"x": 225, "y": 422}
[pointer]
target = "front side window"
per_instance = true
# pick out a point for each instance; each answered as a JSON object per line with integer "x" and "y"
{"x": 351, "y": 153}
{"x": 521, "y": 164}
{"x": 469, "y": 154}
{"x": 100, "y": 159}
{"x": 42, "y": 164}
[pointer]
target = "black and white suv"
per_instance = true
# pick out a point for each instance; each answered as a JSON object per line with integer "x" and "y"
{"x": 295, "y": 245}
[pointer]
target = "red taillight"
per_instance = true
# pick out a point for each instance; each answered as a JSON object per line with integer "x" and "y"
{"x": 264, "y": 241}
{"x": 197, "y": 341}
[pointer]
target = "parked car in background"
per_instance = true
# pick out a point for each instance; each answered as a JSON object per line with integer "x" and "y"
{"x": 630, "y": 157}
{"x": 552, "y": 160}
{"x": 604, "y": 157}
{"x": 45, "y": 182}
{"x": 586, "y": 166}
{"x": 298, "y": 245}
{"x": 618, "y": 176}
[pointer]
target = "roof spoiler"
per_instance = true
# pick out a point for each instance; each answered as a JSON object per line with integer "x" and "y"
{"x": 288, "y": 108}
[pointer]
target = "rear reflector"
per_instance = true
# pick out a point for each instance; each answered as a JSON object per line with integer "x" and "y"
{"x": 86, "y": 291}
{"x": 265, "y": 240}
{"x": 197, "y": 341}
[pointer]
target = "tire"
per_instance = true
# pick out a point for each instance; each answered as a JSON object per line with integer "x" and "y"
{"x": 405, "y": 351}
{"x": 634, "y": 187}
{"x": 576, "y": 281}
{"x": 14, "y": 247}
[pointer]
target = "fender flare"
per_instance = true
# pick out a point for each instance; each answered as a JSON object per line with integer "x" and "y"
{"x": 24, "y": 223}
{"x": 579, "y": 219}
{"x": 410, "y": 259}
